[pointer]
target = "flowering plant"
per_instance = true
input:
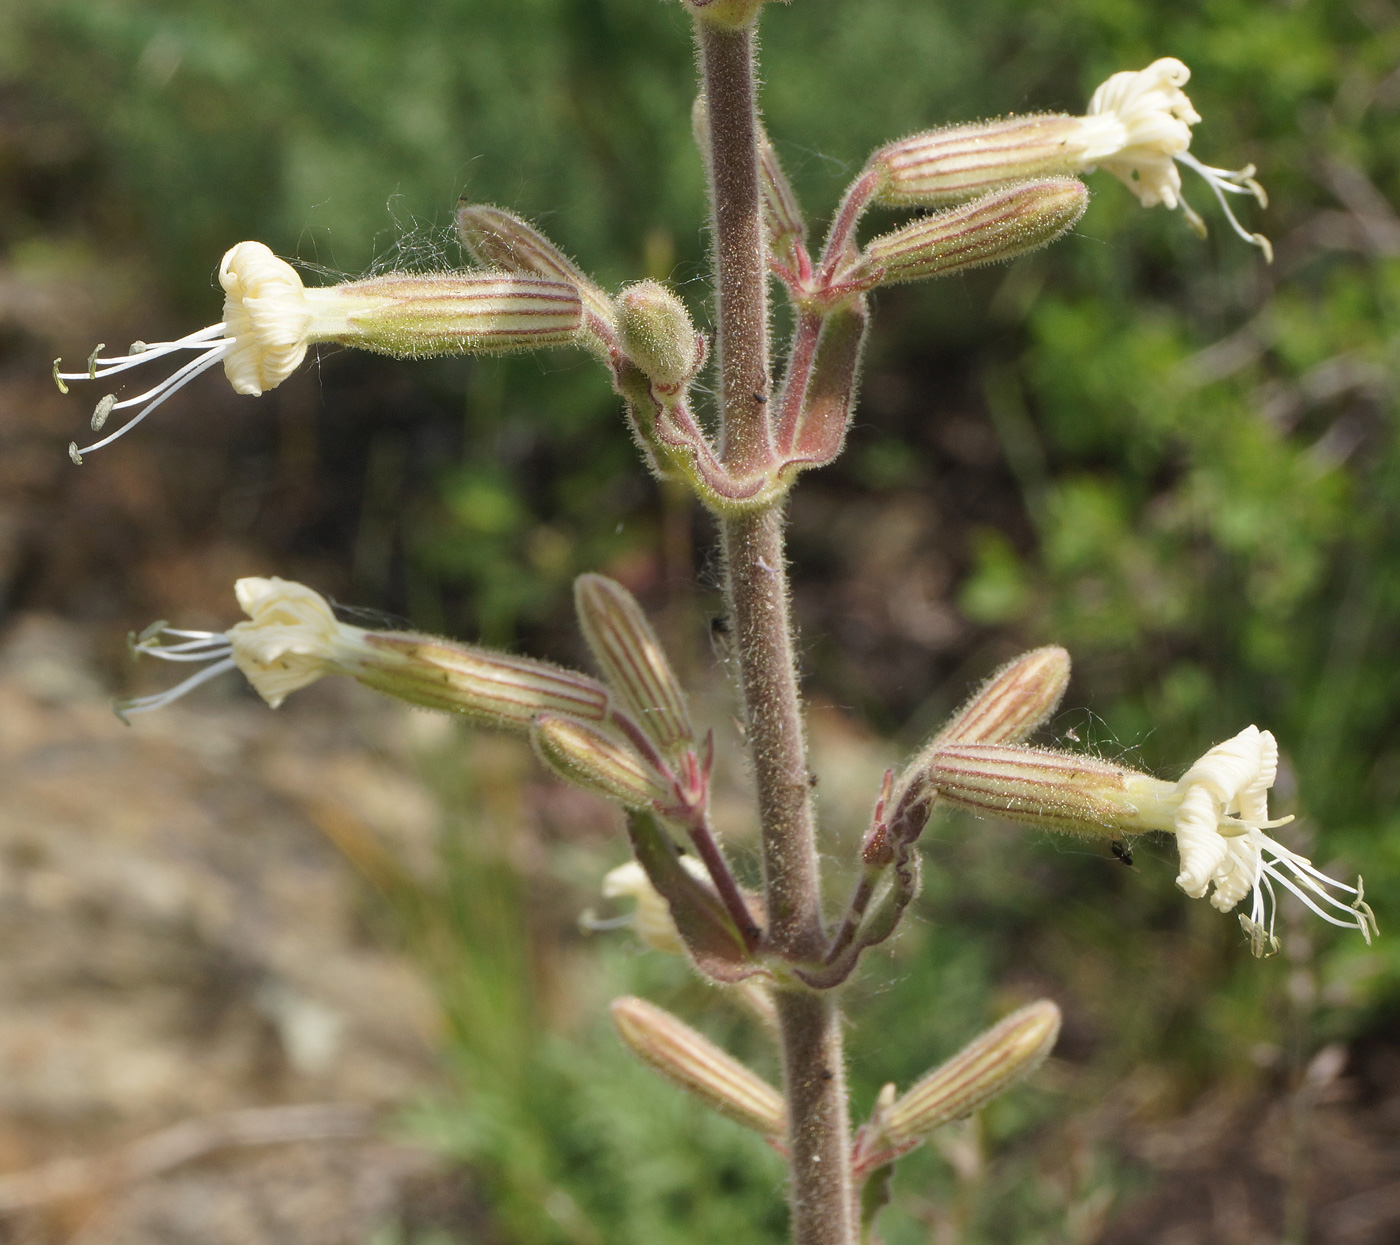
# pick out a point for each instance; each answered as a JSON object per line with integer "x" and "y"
{"x": 997, "y": 189}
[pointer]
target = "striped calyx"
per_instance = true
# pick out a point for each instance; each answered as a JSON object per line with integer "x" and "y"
{"x": 632, "y": 660}
{"x": 984, "y": 1068}
{"x": 495, "y": 689}
{"x": 1013, "y": 703}
{"x": 961, "y": 162}
{"x": 1065, "y": 791}
{"x": 412, "y": 315}
{"x": 998, "y": 226}
{"x": 691, "y": 1061}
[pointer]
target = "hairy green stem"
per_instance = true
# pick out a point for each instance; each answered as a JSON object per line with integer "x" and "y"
{"x": 756, "y": 586}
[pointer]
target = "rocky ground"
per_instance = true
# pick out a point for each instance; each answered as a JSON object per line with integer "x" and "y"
{"x": 199, "y": 1039}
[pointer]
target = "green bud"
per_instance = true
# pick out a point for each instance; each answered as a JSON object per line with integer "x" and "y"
{"x": 691, "y": 1061}
{"x": 996, "y": 227}
{"x": 597, "y": 761}
{"x": 983, "y": 1069}
{"x": 657, "y": 334}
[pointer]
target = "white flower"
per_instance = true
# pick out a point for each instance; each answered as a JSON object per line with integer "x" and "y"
{"x": 652, "y": 920}
{"x": 1138, "y": 127}
{"x": 270, "y": 318}
{"x": 291, "y": 637}
{"x": 266, "y": 315}
{"x": 290, "y": 640}
{"x": 1221, "y": 813}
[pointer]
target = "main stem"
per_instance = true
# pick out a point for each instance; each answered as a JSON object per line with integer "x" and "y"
{"x": 814, "y": 1075}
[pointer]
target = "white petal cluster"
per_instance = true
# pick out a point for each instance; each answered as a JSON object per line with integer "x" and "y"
{"x": 1220, "y": 818}
{"x": 291, "y": 637}
{"x": 1146, "y": 124}
{"x": 266, "y": 313}
{"x": 1224, "y": 796}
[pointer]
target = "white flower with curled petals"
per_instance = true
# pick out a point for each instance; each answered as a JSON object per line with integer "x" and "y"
{"x": 1145, "y": 120}
{"x": 270, "y": 319}
{"x": 1220, "y": 818}
{"x": 1218, "y": 811}
{"x": 267, "y": 315}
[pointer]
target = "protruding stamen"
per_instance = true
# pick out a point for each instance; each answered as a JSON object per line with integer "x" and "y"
{"x": 1240, "y": 183}
{"x": 144, "y": 704}
{"x": 198, "y": 340}
{"x": 158, "y": 394}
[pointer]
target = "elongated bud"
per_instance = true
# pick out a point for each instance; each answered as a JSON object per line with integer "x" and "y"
{"x": 695, "y": 1064}
{"x": 958, "y": 163}
{"x": 1013, "y": 703}
{"x": 496, "y": 238}
{"x": 999, "y": 226}
{"x": 632, "y": 659}
{"x": 1062, "y": 790}
{"x": 597, "y": 761}
{"x": 983, "y": 1069}
{"x": 657, "y": 334}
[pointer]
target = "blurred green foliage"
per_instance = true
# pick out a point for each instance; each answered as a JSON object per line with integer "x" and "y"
{"x": 1201, "y": 449}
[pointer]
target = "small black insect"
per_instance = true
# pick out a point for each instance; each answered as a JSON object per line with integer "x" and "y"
{"x": 1123, "y": 852}
{"x": 760, "y": 397}
{"x": 719, "y": 625}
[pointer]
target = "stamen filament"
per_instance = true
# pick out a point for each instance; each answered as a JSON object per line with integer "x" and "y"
{"x": 121, "y": 363}
{"x": 144, "y": 704}
{"x": 171, "y": 385}
{"x": 1218, "y": 178}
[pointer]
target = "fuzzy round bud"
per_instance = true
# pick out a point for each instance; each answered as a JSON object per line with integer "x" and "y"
{"x": 656, "y": 333}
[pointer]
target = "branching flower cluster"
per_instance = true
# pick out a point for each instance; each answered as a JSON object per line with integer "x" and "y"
{"x": 982, "y": 193}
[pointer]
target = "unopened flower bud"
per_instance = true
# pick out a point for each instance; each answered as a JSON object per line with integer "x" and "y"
{"x": 999, "y": 226}
{"x": 598, "y": 761}
{"x": 652, "y": 921}
{"x": 986, "y": 1067}
{"x": 1013, "y": 703}
{"x": 632, "y": 659}
{"x": 691, "y": 1061}
{"x": 496, "y": 238}
{"x": 657, "y": 334}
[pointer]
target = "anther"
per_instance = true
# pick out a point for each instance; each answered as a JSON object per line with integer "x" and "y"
{"x": 103, "y": 410}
